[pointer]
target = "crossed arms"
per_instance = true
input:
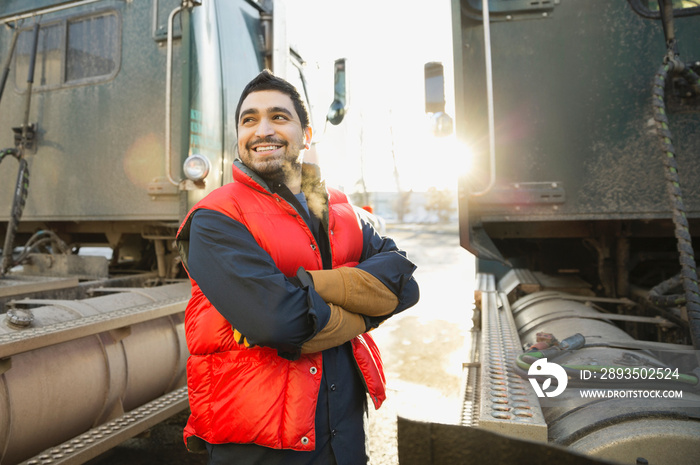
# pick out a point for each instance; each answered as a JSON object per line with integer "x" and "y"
{"x": 242, "y": 281}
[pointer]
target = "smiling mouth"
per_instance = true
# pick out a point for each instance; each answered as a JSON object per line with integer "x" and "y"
{"x": 265, "y": 145}
{"x": 266, "y": 148}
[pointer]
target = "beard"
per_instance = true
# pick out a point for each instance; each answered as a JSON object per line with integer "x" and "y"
{"x": 276, "y": 168}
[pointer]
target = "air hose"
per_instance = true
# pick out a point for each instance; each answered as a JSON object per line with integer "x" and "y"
{"x": 688, "y": 276}
{"x": 632, "y": 373}
{"x": 18, "y": 202}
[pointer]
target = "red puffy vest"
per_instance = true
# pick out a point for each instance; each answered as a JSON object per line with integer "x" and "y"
{"x": 252, "y": 395}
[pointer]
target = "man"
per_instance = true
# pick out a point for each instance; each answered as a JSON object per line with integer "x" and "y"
{"x": 287, "y": 277}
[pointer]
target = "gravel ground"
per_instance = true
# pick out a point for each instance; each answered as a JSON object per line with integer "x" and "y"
{"x": 423, "y": 348}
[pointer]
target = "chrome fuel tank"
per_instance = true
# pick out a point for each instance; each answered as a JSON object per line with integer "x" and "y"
{"x": 68, "y": 366}
{"x": 627, "y": 418}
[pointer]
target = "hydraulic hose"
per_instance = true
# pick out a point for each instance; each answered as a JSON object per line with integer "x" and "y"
{"x": 688, "y": 274}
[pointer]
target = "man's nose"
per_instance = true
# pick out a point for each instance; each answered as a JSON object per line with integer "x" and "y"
{"x": 264, "y": 128}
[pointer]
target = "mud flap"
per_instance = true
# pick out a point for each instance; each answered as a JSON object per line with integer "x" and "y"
{"x": 423, "y": 443}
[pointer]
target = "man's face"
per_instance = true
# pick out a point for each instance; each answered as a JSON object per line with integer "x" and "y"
{"x": 271, "y": 140}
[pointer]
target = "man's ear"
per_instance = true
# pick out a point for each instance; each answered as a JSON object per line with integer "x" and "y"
{"x": 308, "y": 133}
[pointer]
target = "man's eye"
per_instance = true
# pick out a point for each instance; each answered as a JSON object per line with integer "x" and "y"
{"x": 281, "y": 117}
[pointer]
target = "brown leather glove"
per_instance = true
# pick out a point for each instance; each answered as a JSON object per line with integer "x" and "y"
{"x": 354, "y": 290}
{"x": 342, "y": 327}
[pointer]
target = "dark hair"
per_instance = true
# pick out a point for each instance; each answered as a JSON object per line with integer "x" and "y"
{"x": 268, "y": 81}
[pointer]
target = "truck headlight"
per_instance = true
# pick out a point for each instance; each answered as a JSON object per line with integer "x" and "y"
{"x": 196, "y": 167}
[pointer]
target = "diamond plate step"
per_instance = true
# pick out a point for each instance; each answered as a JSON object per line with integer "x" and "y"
{"x": 507, "y": 403}
{"x": 104, "y": 437}
{"x": 35, "y": 338}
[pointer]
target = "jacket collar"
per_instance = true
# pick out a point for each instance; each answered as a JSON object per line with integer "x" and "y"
{"x": 313, "y": 187}
{"x": 245, "y": 175}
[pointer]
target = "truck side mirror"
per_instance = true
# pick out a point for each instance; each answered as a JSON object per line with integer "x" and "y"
{"x": 441, "y": 122}
{"x": 336, "y": 112}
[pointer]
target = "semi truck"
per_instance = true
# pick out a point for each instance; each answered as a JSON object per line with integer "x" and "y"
{"x": 582, "y": 208}
{"x": 116, "y": 117}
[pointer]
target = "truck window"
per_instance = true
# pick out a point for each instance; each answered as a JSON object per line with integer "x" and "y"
{"x": 92, "y": 48}
{"x": 70, "y": 52}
